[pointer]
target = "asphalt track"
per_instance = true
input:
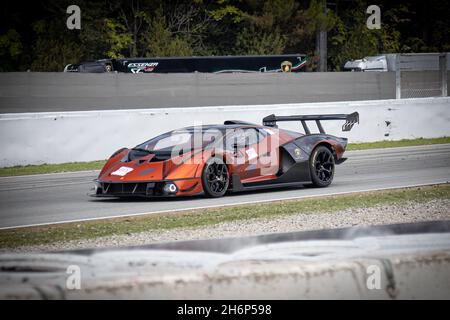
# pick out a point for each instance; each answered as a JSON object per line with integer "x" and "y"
{"x": 55, "y": 198}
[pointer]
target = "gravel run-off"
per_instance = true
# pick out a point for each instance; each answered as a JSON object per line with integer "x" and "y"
{"x": 384, "y": 214}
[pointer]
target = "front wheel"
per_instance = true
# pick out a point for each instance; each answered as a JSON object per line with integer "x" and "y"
{"x": 321, "y": 165}
{"x": 215, "y": 178}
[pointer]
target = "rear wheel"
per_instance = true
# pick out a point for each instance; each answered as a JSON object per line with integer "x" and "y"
{"x": 215, "y": 178}
{"x": 321, "y": 165}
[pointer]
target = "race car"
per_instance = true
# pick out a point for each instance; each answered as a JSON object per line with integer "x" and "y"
{"x": 231, "y": 157}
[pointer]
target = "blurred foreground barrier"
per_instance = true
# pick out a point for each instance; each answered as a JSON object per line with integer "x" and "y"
{"x": 404, "y": 261}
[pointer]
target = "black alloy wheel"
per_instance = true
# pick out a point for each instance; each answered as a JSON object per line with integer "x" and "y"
{"x": 322, "y": 166}
{"x": 215, "y": 178}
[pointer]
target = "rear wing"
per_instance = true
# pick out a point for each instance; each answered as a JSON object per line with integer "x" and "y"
{"x": 350, "y": 120}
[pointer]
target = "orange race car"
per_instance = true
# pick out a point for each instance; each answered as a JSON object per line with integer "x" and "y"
{"x": 235, "y": 156}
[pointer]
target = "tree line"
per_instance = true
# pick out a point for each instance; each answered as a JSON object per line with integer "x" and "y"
{"x": 34, "y": 36}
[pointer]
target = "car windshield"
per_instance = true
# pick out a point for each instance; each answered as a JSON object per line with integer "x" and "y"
{"x": 184, "y": 139}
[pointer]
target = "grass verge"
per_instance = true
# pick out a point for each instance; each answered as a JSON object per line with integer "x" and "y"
{"x": 97, "y": 165}
{"x": 397, "y": 143}
{"x": 51, "y": 168}
{"x": 200, "y": 218}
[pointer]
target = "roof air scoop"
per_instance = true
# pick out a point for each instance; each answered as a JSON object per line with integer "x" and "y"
{"x": 231, "y": 122}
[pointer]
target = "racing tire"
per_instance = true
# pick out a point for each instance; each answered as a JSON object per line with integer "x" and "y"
{"x": 215, "y": 178}
{"x": 321, "y": 166}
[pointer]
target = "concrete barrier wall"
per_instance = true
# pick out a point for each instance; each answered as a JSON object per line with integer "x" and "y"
{"x": 58, "y": 137}
{"x": 43, "y": 92}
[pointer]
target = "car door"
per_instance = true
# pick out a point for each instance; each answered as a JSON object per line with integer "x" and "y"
{"x": 268, "y": 150}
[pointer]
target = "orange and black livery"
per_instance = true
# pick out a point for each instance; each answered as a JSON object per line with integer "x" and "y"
{"x": 230, "y": 157}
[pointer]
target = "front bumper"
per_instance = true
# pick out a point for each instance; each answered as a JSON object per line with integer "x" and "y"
{"x": 162, "y": 188}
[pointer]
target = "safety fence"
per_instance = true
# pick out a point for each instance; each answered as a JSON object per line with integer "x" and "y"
{"x": 421, "y": 75}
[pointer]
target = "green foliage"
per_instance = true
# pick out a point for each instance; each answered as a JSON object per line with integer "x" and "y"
{"x": 251, "y": 41}
{"x": 10, "y": 44}
{"x": 318, "y": 17}
{"x": 159, "y": 41}
{"x": 10, "y": 50}
{"x": 55, "y": 47}
{"x": 265, "y": 28}
{"x": 307, "y": 23}
{"x": 37, "y": 38}
{"x": 228, "y": 10}
{"x": 351, "y": 39}
{"x": 117, "y": 37}
{"x": 353, "y": 43}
